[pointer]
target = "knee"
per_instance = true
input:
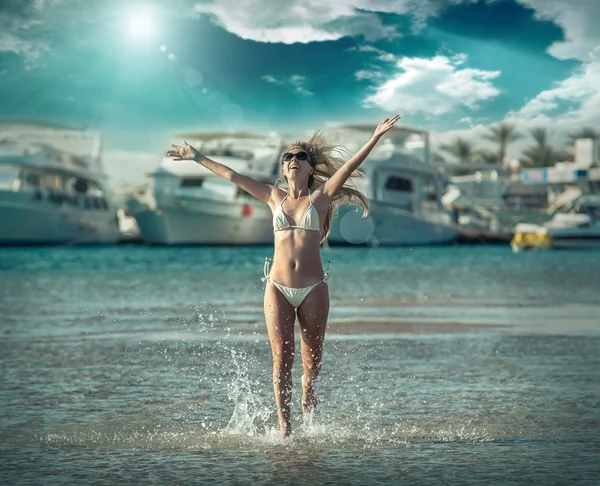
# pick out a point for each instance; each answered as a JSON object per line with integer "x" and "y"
{"x": 312, "y": 362}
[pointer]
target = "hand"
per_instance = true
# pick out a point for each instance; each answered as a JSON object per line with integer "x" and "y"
{"x": 385, "y": 125}
{"x": 186, "y": 152}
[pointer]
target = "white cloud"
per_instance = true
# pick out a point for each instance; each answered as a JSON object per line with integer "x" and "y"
{"x": 271, "y": 79}
{"x": 571, "y": 103}
{"x": 297, "y": 81}
{"x": 434, "y": 86}
{"x": 17, "y": 19}
{"x": 578, "y": 96}
{"x": 367, "y": 74}
{"x": 375, "y": 72}
{"x": 315, "y": 20}
{"x": 579, "y": 89}
{"x": 579, "y": 21}
{"x": 381, "y": 54}
{"x": 581, "y": 92}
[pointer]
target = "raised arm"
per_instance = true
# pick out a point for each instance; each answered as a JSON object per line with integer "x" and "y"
{"x": 335, "y": 183}
{"x": 258, "y": 189}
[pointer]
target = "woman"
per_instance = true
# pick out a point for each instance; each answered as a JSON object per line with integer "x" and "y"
{"x": 296, "y": 284}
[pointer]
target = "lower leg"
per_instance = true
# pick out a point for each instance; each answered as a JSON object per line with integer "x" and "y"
{"x": 311, "y": 362}
{"x": 282, "y": 387}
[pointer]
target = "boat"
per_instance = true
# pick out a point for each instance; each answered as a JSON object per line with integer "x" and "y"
{"x": 575, "y": 225}
{"x": 405, "y": 190}
{"x": 186, "y": 204}
{"x": 53, "y": 189}
{"x": 490, "y": 201}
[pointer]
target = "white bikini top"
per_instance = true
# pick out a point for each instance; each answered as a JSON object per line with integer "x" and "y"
{"x": 310, "y": 219}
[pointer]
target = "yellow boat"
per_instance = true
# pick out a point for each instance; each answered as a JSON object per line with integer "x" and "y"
{"x": 530, "y": 237}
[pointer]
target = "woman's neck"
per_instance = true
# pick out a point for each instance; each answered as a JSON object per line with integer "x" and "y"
{"x": 297, "y": 190}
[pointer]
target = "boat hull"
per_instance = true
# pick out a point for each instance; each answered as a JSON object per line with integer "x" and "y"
{"x": 201, "y": 226}
{"x": 388, "y": 226}
{"x": 26, "y": 221}
{"x": 586, "y": 238}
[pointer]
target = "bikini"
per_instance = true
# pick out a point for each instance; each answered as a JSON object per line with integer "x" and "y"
{"x": 310, "y": 222}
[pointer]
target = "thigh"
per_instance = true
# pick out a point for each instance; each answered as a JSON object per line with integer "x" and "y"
{"x": 312, "y": 316}
{"x": 280, "y": 318}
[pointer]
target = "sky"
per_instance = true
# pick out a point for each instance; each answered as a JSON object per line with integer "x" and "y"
{"x": 140, "y": 71}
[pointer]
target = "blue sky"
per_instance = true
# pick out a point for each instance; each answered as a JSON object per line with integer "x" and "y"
{"x": 139, "y": 71}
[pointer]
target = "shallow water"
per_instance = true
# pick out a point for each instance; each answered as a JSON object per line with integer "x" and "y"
{"x": 152, "y": 366}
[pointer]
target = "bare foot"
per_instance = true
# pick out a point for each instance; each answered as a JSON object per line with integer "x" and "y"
{"x": 309, "y": 397}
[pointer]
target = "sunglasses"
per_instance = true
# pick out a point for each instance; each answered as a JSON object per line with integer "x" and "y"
{"x": 299, "y": 156}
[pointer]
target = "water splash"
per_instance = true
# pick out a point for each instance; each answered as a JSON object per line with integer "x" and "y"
{"x": 250, "y": 412}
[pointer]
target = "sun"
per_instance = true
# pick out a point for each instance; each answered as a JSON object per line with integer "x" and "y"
{"x": 140, "y": 25}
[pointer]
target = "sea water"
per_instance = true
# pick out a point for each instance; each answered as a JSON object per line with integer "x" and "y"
{"x": 442, "y": 365}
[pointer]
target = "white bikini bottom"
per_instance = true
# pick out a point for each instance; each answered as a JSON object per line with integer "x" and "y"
{"x": 295, "y": 296}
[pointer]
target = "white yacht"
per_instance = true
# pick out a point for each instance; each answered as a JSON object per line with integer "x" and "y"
{"x": 52, "y": 187}
{"x": 575, "y": 225}
{"x": 404, "y": 189}
{"x": 186, "y": 204}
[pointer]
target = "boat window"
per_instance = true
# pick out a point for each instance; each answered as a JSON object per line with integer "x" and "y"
{"x": 399, "y": 184}
{"x": 192, "y": 182}
{"x": 56, "y": 197}
{"x": 429, "y": 190}
{"x": 32, "y": 179}
{"x": 80, "y": 186}
{"x": 51, "y": 181}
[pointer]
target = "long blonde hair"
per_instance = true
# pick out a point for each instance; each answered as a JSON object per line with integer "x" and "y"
{"x": 327, "y": 157}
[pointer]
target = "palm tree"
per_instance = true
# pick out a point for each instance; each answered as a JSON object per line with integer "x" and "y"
{"x": 502, "y": 134}
{"x": 542, "y": 154}
{"x": 460, "y": 148}
{"x": 586, "y": 132}
{"x": 487, "y": 156}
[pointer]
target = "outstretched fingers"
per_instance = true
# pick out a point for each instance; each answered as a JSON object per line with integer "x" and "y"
{"x": 176, "y": 153}
{"x": 389, "y": 123}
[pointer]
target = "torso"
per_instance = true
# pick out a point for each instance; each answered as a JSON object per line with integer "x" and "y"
{"x": 297, "y": 258}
